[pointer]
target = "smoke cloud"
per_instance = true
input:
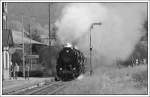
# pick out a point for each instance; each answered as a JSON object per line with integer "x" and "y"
{"x": 121, "y": 28}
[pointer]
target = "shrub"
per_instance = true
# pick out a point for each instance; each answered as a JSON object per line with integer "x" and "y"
{"x": 141, "y": 78}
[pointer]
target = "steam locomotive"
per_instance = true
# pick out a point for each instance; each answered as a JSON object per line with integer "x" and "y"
{"x": 70, "y": 63}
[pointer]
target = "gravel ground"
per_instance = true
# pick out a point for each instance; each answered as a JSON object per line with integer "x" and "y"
{"x": 111, "y": 81}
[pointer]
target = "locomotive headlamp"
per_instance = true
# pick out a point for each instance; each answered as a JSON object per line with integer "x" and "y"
{"x": 67, "y": 51}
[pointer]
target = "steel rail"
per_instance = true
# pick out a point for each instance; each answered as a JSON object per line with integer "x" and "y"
{"x": 45, "y": 89}
{"x": 26, "y": 88}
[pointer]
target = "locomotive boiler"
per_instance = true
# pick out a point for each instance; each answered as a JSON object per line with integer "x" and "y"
{"x": 70, "y": 63}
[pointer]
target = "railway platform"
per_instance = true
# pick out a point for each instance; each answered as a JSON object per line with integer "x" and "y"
{"x": 22, "y": 83}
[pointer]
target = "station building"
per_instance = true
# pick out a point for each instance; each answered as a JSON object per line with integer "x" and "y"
{"x": 11, "y": 42}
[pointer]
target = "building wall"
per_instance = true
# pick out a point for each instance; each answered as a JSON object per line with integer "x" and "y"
{"x": 6, "y": 63}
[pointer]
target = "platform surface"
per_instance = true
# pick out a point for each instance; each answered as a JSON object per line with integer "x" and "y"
{"x": 13, "y": 84}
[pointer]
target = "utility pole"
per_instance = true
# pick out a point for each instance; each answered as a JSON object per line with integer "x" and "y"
{"x": 4, "y": 19}
{"x": 49, "y": 24}
{"x": 23, "y": 59}
{"x": 30, "y": 51}
{"x": 49, "y": 49}
{"x": 4, "y": 27}
{"x": 91, "y": 27}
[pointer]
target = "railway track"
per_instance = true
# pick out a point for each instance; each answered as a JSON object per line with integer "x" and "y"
{"x": 49, "y": 89}
{"x": 45, "y": 89}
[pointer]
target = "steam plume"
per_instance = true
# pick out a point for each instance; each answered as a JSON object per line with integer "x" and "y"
{"x": 116, "y": 38}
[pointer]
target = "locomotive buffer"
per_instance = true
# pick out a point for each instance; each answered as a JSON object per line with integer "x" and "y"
{"x": 91, "y": 27}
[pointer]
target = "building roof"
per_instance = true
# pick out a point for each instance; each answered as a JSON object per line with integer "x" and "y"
{"x": 18, "y": 38}
{"x": 10, "y": 37}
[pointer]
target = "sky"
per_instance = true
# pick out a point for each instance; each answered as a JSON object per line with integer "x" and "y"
{"x": 34, "y": 10}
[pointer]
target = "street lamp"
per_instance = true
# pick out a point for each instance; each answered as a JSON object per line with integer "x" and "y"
{"x": 91, "y": 27}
